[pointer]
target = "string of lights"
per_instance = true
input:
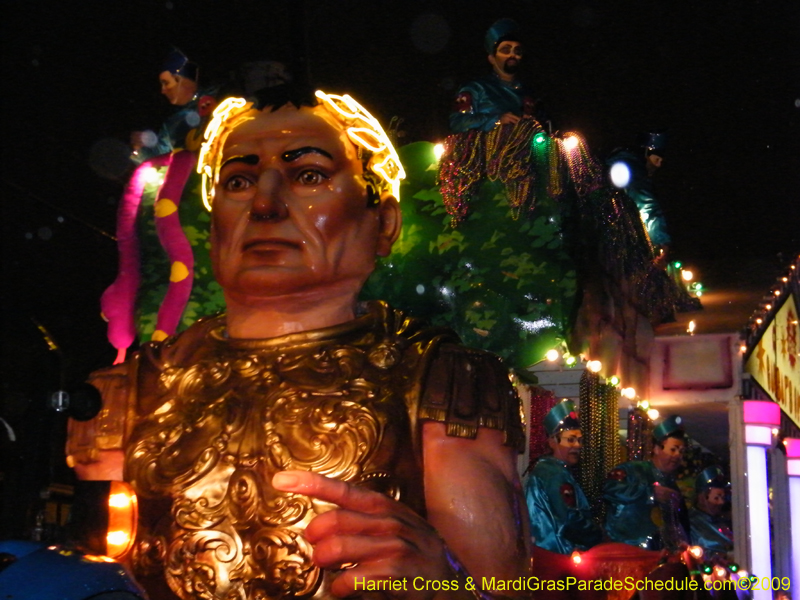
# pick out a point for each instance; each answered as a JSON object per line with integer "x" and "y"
{"x": 785, "y": 285}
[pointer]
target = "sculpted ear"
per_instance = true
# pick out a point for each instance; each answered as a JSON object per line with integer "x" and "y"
{"x": 390, "y": 221}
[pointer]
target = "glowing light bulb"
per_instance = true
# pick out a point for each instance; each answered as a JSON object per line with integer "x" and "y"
{"x": 620, "y": 176}
{"x": 653, "y": 414}
{"x": 576, "y": 557}
{"x": 119, "y": 500}
{"x": 696, "y": 551}
{"x": 570, "y": 143}
{"x": 552, "y": 355}
{"x": 438, "y": 150}
{"x": 539, "y": 138}
{"x": 151, "y": 176}
{"x": 777, "y": 292}
{"x": 768, "y": 307}
{"x": 614, "y": 380}
{"x": 117, "y": 538}
{"x": 687, "y": 275}
{"x": 759, "y": 320}
{"x": 743, "y": 348}
{"x": 628, "y": 393}
{"x": 692, "y": 326}
{"x": 571, "y": 360}
{"x": 644, "y": 404}
{"x": 720, "y": 572}
{"x": 595, "y": 366}
{"x": 775, "y": 431}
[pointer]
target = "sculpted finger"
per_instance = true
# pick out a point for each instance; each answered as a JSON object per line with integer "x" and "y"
{"x": 334, "y": 551}
{"x": 341, "y": 493}
{"x": 345, "y": 522}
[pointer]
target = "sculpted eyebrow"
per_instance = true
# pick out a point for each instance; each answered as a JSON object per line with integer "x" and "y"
{"x": 292, "y": 155}
{"x": 249, "y": 159}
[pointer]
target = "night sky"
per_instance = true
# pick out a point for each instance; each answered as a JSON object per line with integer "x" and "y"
{"x": 721, "y": 76}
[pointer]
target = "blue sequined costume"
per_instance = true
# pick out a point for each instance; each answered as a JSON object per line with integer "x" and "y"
{"x": 712, "y": 534}
{"x": 561, "y": 520}
{"x": 481, "y": 103}
{"x": 628, "y": 490}
{"x": 181, "y": 130}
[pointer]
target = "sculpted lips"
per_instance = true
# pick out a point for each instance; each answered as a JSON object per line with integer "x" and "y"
{"x": 269, "y": 244}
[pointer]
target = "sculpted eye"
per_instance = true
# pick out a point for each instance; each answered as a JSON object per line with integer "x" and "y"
{"x": 237, "y": 183}
{"x": 311, "y": 177}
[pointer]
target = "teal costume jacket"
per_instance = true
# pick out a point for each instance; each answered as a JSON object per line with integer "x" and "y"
{"x": 184, "y": 120}
{"x": 481, "y": 103}
{"x": 712, "y": 534}
{"x": 561, "y": 520}
{"x": 640, "y": 190}
{"x": 628, "y": 490}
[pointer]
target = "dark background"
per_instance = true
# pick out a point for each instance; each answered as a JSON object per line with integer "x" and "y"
{"x": 721, "y": 76}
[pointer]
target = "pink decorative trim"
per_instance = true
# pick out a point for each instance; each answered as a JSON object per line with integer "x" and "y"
{"x": 762, "y": 412}
{"x": 119, "y": 299}
{"x": 174, "y": 241}
{"x": 792, "y": 447}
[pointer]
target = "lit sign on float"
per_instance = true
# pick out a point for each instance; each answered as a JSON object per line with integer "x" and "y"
{"x": 773, "y": 362}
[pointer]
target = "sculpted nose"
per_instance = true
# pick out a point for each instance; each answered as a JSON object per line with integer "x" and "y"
{"x": 267, "y": 203}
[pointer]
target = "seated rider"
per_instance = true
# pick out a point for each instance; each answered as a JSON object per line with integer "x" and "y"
{"x": 499, "y": 98}
{"x": 561, "y": 519}
{"x": 711, "y": 530}
{"x": 645, "y": 505}
{"x": 178, "y": 79}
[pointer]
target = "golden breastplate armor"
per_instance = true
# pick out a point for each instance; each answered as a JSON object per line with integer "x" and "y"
{"x": 332, "y": 401}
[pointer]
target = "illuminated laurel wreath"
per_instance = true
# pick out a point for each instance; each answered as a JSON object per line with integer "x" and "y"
{"x": 377, "y": 153}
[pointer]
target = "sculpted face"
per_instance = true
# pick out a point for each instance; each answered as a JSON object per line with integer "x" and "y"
{"x": 711, "y": 501}
{"x": 506, "y": 59}
{"x": 669, "y": 458}
{"x": 178, "y": 90}
{"x": 568, "y": 448}
{"x": 290, "y": 213}
{"x": 654, "y": 162}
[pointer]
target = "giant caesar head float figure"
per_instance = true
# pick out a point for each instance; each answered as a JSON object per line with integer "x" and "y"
{"x": 303, "y": 444}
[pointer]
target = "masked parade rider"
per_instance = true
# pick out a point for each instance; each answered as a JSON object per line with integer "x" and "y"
{"x": 561, "y": 519}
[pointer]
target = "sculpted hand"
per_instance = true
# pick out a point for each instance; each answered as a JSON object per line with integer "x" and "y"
{"x": 381, "y": 537}
{"x": 508, "y": 117}
{"x": 665, "y": 495}
{"x": 662, "y": 256}
{"x": 137, "y": 140}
